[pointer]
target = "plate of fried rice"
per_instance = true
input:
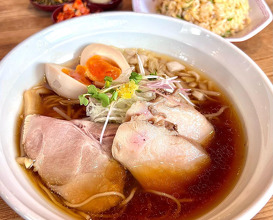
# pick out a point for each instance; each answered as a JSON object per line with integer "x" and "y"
{"x": 235, "y": 20}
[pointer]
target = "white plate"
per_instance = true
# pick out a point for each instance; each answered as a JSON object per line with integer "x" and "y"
{"x": 244, "y": 82}
{"x": 260, "y": 16}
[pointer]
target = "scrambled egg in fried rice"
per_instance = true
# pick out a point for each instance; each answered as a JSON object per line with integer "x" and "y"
{"x": 223, "y": 17}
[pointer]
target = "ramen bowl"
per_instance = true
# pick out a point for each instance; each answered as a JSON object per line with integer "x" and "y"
{"x": 239, "y": 77}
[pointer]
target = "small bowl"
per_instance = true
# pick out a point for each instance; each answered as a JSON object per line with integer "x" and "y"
{"x": 108, "y": 6}
{"x": 47, "y": 7}
{"x": 93, "y": 9}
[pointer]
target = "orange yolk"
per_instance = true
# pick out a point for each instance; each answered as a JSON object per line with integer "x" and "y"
{"x": 99, "y": 68}
{"x": 78, "y": 74}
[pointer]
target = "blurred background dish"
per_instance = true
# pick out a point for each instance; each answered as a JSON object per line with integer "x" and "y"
{"x": 104, "y": 4}
{"x": 48, "y": 5}
{"x": 65, "y": 12}
{"x": 259, "y": 15}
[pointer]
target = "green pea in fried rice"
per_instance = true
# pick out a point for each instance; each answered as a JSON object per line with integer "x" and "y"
{"x": 223, "y": 17}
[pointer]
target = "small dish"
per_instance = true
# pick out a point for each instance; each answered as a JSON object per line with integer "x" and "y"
{"x": 259, "y": 13}
{"x": 47, "y": 7}
{"x": 105, "y": 6}
{"x": 93, "y": 9}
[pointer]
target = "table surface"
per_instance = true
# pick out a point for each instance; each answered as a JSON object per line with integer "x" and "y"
{"x": 19, "y": 20}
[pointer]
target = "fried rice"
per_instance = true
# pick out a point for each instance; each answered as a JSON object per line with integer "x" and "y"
{"x": 223, "y": 17}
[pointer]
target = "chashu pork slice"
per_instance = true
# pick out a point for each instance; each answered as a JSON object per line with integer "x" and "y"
{"x": 158, "y": 158}
{"x": 188, "y": 121}
{"x": 94, "y": 129}
{"x": 71, "y": 161}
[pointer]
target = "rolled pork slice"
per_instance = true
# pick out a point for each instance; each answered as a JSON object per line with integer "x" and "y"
{"x": 158, "y": 158}
{"x": 71, "y": 162}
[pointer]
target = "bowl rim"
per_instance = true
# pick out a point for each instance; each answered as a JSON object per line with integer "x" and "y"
{"x": 259, "y": 28}
{"x": 10, "y": 198}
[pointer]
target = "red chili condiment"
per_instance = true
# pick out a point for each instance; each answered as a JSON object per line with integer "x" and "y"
{"x": 78, "y": 8}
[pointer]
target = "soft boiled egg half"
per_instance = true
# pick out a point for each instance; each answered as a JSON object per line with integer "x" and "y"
{"x": 96, "y": 62}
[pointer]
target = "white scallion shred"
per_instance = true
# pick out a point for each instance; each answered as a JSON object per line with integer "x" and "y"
{"x": 186, "y": 98}
{"x": 140, "y": 64}
{"x": 106, "y": 121}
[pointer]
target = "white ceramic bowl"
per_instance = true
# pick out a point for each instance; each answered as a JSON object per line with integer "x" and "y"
{"x": 239, "y": 76}
{"x": 259, "y": 14}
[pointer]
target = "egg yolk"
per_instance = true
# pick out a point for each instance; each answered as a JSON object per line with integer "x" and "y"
{"x": 98, "y": 68}
{"x": 78, "y": 74}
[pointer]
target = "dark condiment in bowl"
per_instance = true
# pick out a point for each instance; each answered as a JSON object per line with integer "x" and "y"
{"x": 92, "y": 8}
{"x": 45, "y": 7}
{"x": 105, "y": 6}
